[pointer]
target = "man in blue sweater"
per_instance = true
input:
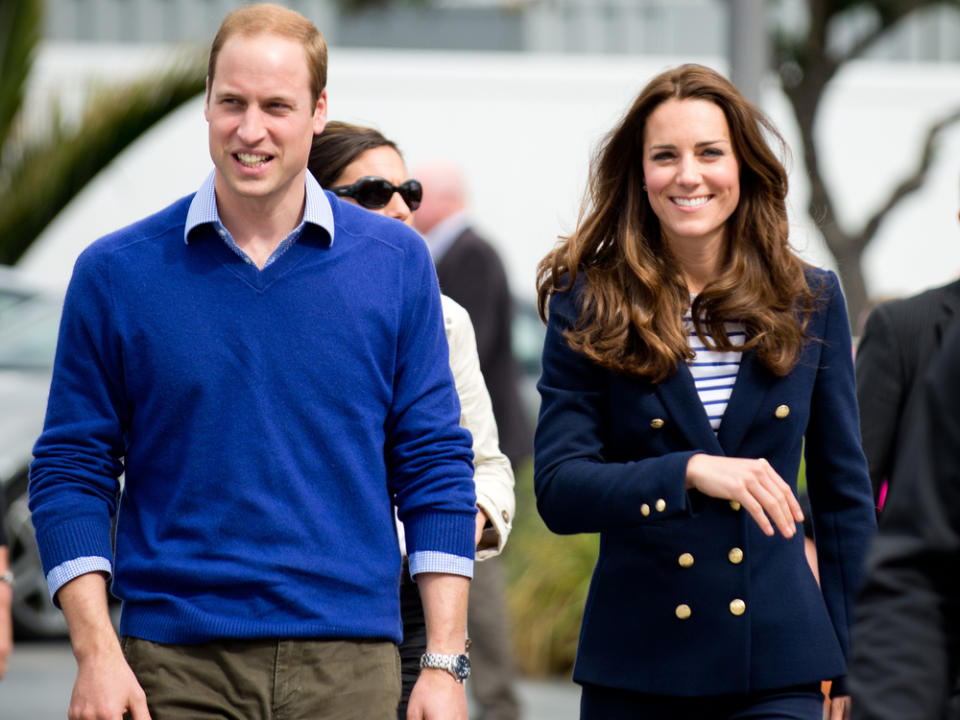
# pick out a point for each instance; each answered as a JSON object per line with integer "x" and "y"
{"x": 267, "y": 366}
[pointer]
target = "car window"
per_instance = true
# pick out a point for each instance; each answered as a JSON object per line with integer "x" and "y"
{"x": 28, "y": 330}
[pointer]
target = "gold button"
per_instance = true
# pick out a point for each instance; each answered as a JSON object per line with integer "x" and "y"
{"x": 685, "y": 560}
{"x": 782, "y": 411}
{"x": 738, "y": 607}
{"x": 656, "y": 423}
{"x": 683, "y": 611}
{"x": 644, "y": 509}
{"x": 735, "y": 556}
{"x": 506, "y": 516}
{"x": 661, "y": 505}
{"x": 734, "y": 504}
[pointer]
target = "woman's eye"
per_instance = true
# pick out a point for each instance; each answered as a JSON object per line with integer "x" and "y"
{"x": 713, "y": 152}
{"x": 661, "y": 156}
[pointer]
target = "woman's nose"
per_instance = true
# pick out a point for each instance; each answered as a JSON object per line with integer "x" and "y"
{"x": 688, "y": 172}
{"x": 398, "y": 209}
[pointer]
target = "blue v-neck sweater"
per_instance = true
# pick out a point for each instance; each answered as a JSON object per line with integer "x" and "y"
{"x": 265, "y": 420}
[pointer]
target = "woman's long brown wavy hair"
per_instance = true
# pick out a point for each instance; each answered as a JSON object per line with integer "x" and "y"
{"x": 634, "y": 294}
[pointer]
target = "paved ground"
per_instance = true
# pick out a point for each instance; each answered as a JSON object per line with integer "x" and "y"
{"x": 40, "y": 678}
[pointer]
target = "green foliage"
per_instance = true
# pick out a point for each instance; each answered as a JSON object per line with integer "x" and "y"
{"x": 548, "y": 578}
{"x": 19, "y": 33}
{"x": 40, "y": 172}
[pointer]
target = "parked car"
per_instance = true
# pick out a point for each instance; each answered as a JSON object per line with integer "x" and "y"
{"x": 28, "y": 334}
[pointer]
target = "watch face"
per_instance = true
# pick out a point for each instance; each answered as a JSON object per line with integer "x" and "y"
{"x": 462, "y": 666}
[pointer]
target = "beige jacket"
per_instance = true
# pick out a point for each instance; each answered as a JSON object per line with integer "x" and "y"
{"x": 492, "y": 475}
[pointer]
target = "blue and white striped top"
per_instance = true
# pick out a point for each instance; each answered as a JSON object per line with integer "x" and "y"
{"x": 714, "y": 373}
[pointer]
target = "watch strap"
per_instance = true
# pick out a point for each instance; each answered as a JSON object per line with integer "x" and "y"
{"x": 458, "y": 665}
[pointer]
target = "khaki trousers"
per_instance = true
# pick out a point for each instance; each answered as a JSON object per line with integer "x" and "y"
{"x": 268, "y": 679}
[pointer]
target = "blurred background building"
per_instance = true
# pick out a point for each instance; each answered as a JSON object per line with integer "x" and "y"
{"x": 650, "y": 27}
{"x": 521, "y": 91}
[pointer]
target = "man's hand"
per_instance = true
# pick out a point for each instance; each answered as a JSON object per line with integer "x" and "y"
{"x": 437, "y": 696}
{"x": 106, "y": 687}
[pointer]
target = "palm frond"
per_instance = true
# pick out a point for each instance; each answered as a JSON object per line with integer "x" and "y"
{"x": 20, "y": 26}
{"x": 46, "y": 174}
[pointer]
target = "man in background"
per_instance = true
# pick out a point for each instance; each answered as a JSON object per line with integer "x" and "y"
{"x": 899, "y": 340}
{"x": 470, "y": 272}
{"x": 905, "y": 646}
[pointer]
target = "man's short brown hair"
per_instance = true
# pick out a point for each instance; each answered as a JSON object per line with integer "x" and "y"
{"x": 277, "y": 20}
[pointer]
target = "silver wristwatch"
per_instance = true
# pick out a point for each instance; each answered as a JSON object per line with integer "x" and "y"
{"x": 7, "y": 577}
{"x": 456, "y": 665}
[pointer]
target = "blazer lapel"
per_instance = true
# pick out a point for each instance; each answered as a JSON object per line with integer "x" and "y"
{"x": 679, "y": 396}
{"x": 753, "y": 381}
{"x": 949, "y": 307}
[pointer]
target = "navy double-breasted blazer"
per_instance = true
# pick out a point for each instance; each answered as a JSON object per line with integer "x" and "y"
{"x": 688, "y": 596}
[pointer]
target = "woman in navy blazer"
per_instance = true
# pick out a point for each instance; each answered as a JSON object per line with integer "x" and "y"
{"x": 702, "y": 603}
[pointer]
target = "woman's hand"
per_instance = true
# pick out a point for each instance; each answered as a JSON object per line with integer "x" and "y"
{"x": 840, "y": 707}
{"x": 752, "y": 483}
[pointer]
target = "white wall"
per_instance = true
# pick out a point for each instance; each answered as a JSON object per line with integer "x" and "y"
{"x": 524, "y": 126}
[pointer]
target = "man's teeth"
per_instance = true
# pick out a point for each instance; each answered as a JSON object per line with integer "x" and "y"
{"x": 691, "y": 202}
{"x": 251, "y": 160}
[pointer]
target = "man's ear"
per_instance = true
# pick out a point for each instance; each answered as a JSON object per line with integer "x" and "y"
{"x": 320, "y": 114}
{"x": 206, "y": 101}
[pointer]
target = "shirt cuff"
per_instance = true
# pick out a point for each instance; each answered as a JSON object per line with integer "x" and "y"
{"x": 67, "y": 571}
{"x": 431, "y": 561}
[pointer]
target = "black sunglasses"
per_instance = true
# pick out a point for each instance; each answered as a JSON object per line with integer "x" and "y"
{"x": 374, "y": 192}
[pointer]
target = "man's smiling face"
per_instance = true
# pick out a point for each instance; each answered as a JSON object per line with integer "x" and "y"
{"x": 262, "y": 118}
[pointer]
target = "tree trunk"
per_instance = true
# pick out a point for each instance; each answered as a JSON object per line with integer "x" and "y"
{"x": 848, "y": 255}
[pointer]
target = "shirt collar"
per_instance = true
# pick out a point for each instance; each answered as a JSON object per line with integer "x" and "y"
{"x": 203, "y": 209}
{"x": 442, "y": 235}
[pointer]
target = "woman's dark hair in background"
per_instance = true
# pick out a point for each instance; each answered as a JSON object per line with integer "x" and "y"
{"x": 634, "y": 293}
{"x": 339, "y": 145}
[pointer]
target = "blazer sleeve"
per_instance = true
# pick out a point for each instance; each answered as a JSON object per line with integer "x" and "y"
{"x": 578, "y": 489}
{"x": 906, "y": 634}
{"x": 881, "y": 394}
{"x": 493, "y": 474}
{"x": 843, "y": 517}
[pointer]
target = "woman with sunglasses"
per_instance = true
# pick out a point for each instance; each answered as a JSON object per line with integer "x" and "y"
{"x": 691, "y": 358}
{"x": 362, "y": 166}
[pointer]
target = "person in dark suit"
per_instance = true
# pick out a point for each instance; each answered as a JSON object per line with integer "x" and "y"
{"x": 690, "y": 359}
{"x": 470, "y": 272}
{"x": 899, "y": 339}
{"x": 907, "y": 631}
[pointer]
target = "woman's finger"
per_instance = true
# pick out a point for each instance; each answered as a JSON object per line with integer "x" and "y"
{"x": 775, "y": 507}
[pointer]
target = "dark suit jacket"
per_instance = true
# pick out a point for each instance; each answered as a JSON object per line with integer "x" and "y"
{"x": 898, "y": 342}
{"x": 610, "y": 456}
{"x": 907, "y": 617}
{"x": 471, "y": 273}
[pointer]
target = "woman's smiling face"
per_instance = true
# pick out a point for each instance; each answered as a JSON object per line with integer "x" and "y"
{"x": 691, "y": 172}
